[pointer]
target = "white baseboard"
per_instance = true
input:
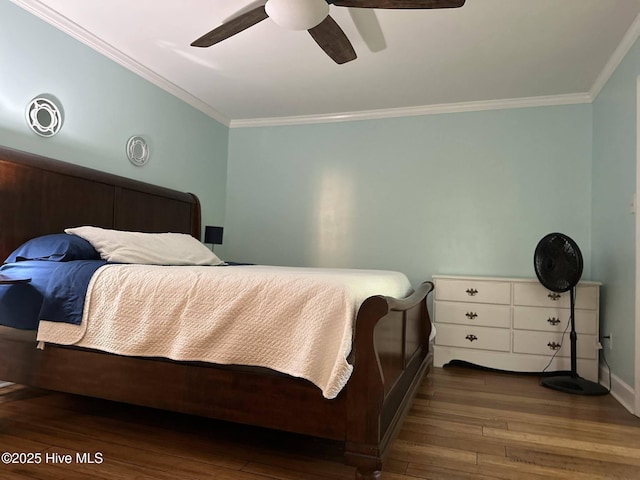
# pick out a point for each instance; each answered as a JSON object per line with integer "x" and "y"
{"x": 623, "y": 393}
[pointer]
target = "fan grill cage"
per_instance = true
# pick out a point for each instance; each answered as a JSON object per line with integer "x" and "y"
{"x": 558, "y": 262}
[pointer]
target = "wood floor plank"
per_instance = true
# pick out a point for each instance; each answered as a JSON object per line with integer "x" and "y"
{"x": 518, "y": 468}
{"x": 501, "y": 412}
{"x": 550, "y": 440}
{"x": 468, "y": 443}
{"x": 622, "y": 436}
{"x": 484, "y": 419}
{"x": 580, "y": 466}
{"x": 426, "y": 423}
{"x": 413, "y": 452}
{"x": 435, "y": 471}
{"x": 282, "y": 473}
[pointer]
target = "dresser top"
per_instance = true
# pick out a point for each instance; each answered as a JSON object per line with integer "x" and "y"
{"x": 502, "y": 279}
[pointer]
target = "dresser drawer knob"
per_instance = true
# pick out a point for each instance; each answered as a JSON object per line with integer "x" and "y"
{"x": 471, "y": 337}
{"x": 472, "y": 292}
{"x": 554, "y": 296}
{"x": 553, "y": 320}
{"x": 554, "y": 345}
{"x": 471, "y": 315}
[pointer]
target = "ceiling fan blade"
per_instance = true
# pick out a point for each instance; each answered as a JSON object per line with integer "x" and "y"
{"x": 236, "y": 25}
{"x": 330, "y": 37}
{"x": 417, "y": 4}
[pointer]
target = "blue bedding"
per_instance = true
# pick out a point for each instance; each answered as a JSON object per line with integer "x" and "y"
{"x": 56, "y": 292}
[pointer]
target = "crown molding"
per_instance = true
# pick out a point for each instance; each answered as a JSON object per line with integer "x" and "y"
{"x": 73, "y": 29}
{"x": 616, "y": 58}
{"x": 542, "y": 101}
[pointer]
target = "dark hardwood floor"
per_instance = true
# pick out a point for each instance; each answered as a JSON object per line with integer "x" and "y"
{"x": 465, "y": 424}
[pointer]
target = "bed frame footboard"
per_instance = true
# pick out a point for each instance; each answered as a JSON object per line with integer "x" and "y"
{"x": 390, "y": 357}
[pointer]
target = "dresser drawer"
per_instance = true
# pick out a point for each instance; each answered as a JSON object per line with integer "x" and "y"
{"x": 479, "y": 338}
{"x": 553, "y": 319}
{"x": 535, "y": 295}
{"x": 476, "y": 291}
{"x": 473, "y": 314}
{"x": 542, "y": 343}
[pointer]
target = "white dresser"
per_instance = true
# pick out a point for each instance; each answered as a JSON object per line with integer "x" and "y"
{"x": 514, "y": 324}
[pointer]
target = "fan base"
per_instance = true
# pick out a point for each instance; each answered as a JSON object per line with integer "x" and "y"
{"x": 575, "y": 385}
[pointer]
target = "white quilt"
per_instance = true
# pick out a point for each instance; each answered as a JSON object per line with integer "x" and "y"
{"x": 297, "y": 321}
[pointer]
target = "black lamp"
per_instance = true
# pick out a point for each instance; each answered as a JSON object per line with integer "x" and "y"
{"x": 213, "y": 235}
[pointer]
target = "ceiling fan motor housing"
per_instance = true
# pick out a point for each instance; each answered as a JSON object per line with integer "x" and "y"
{"x": 297, "y": 14}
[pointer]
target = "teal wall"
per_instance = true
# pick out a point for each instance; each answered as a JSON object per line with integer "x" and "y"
{"x": 613, "y": 232}
{"x": 465, "y": 193}
{"x": 104, "y": 105}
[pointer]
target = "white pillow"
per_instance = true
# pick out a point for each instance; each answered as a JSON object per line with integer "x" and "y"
{"x": 146, "y": 248}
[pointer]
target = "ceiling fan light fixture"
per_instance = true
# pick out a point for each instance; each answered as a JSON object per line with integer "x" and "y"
{"x": 297, "y": 14}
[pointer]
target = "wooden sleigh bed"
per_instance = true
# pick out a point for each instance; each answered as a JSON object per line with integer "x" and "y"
{"x": 390, "y": 352}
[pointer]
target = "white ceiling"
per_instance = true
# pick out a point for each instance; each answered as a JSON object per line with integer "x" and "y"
{"x": 483, "y": 54}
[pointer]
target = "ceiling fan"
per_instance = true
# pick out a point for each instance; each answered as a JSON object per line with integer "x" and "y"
{"x": 313, "y": 16}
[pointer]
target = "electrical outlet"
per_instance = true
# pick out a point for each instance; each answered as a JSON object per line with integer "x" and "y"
{"x": 608, "y": 340}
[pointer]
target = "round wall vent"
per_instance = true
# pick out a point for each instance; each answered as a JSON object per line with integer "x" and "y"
{"x": 137, "y": 151}
{"x": 44, "y": 115}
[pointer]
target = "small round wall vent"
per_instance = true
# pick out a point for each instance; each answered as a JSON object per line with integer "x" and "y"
{"x": 44, "y": 115}
{"x": 137, "y": 151}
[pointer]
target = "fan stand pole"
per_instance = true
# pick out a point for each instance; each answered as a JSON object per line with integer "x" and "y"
{"x": 574, "y": 383}
{"x": 573, "y": 336}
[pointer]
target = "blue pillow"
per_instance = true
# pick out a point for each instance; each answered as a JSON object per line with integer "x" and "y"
{"x": 57, "y": 247}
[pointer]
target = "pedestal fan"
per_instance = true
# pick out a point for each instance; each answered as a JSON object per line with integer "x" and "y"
{"x": 558, "y": 265}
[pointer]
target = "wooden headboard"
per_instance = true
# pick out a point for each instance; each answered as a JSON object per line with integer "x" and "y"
{"x": 39, "y": 195}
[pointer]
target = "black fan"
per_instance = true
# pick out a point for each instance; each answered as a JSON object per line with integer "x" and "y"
{"x": 558, "y": 265}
